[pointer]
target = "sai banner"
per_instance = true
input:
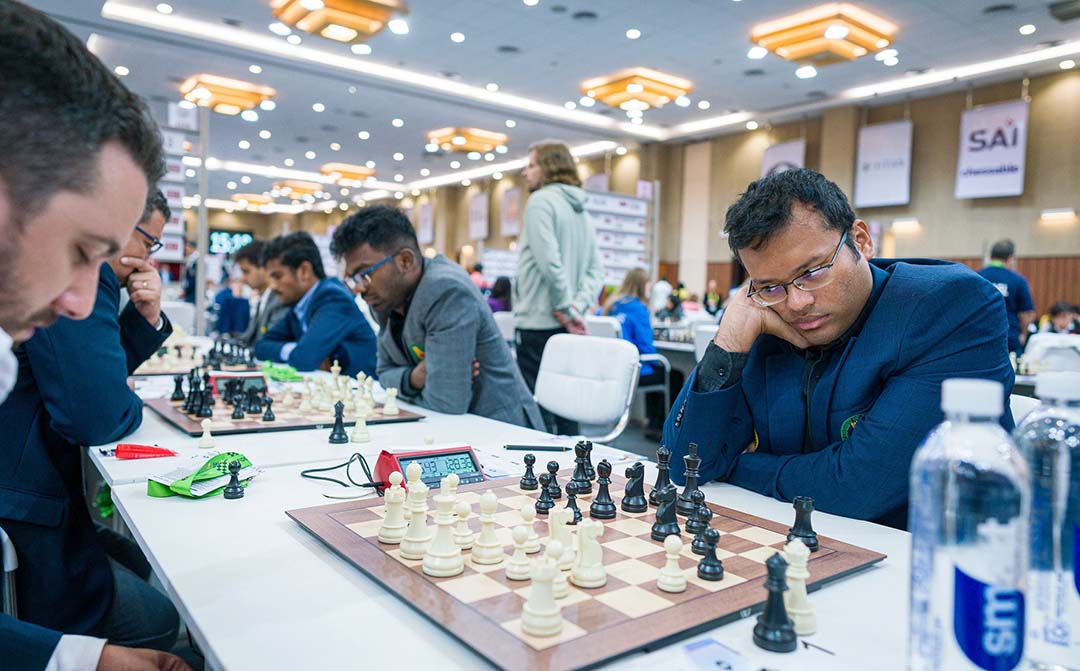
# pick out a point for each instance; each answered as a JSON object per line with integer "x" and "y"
{"x": 993, "y": 146}
{"x": 883, "y": 165}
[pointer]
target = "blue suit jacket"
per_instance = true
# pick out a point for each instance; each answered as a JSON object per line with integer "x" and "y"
{"x": 25, "y": 646}
{"x": 336, "y": 329}
{"x": 877, "y": 398}
{"x": 71, "y": 391}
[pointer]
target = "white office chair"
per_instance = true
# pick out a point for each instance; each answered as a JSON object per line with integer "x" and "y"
{"x": 369, "y": 314}
{"x": 1053, "y": 351}
{"x": 505, "y": 322}
{"x": 589, "y": 380}
{"x": 181, "y": 314}
{"x": 10, "y": 562}
{"x": 603, "y": 327}
{"x": 703, "y": 335}
{"x": 610, "y": 327}
{"x": 1021, "y": 406}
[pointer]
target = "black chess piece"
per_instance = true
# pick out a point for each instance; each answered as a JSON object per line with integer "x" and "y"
{"x": 634, "y": 500}
{"x": 553, "y": 488}
{"x": 178, "y": 388}
{"x": 774, "y": 630}
{"x": 254, "y": 401}
{"x": 581, "y": 476}
{"x": 528, "y": 481}
{"x": 206, "y": 379}
{"x": 206, "y": 406}
{"x": 663, "y": 459}
{"x": 589, "y": 470}
{"x": 234, "y": 490}
{"x": 338, "y": 435}
{"x": 666, "y": 522}
{"x": 544, "y": 503}
{"x": 694, "y": 523}
{"x": 802, "y": 528}
{"x": 194, "y": 395}
{"x": 571, "y": 502}
{"x": 704, "y": 515}
{"x": 268, "y": 416}
{"x": 685, "y": 506}
{"x": 603, "y": 506}
{"x": 238, "y": 406}
{"x": 710, "y": 567}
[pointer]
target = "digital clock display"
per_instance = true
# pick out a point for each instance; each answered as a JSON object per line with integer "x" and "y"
{"x": 438, "y": 466}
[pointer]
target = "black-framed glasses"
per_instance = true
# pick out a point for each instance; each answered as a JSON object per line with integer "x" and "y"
{"x": 812, "y": 279}
{"x": 155, "y": 243}
{"x": 362, "y": 278}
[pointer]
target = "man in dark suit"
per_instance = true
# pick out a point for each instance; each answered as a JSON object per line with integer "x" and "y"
{"x": 825, "y": 374}
{"x": 268, "y": 308}
{"x": 324, "y": 323}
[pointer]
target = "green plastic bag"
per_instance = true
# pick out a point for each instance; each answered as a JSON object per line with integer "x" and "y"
{"x": 209, "y": 479}
{"x": 281, "y": 372}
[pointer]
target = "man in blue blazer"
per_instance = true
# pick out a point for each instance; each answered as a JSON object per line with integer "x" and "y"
{"x": 324, "y": 323}
{"x": 825, "y": 374}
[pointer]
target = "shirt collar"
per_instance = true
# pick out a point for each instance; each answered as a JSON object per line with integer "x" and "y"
{"x": 302, "y": 305}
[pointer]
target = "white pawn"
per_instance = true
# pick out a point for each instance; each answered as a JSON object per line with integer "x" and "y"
{"x": 394, "y": 524}
{"x": 305, "y": 399}
{"x": 285, "y": 400}
{"x": 487, "y": 549}
{"x": 528, "y": 515}
{"x": 360, "y": 433}
{"x": 463, "y": 535}
{"x": 443, "y": 558}
{"x": 369, "y": 394}
{"x": 558, "y": 523}
{"x": 555, "y": 551}
{"x": 518, "y": 566}
{"x": 417, "y": 537}
{"x": 429, "y": 440}
{"x": 541, "y": 616}
{"x": 672, "y": 579}
{"x": 588, "y": 570}
{"x": 206, "y": 441}
{"x": 335, "y": 371}
{"x": 798, "y": 606}
{"x": 390, "y": 407}
{"x": 449, "y": 484}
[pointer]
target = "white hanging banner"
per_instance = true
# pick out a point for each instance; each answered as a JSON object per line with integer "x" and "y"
{"x": 184, "y": 118}
{"x": 993, "y": 148}
{"x": 511, "y": 213}
{"x": 425, "y": 224}
{"x": 478, "y": 216}
{"x": 783, "y": 156}
{"x": 883, "y": 165}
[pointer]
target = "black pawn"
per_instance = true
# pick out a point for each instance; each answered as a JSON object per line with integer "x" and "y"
{"x": 581, "y": 476}
{"x": 254, "y": 402}
{"x": 603, "y": 507}
{"x": 238, "y": 407}
{"x": 178, "y": 388}
{"x": 634, "y": 500}
{"x": 234, "y": 490}
{"x": 206, "y": 407}
{"x": 774, "y": 630}
{"x": 338, "y": 435}
{"x": 685, "y": 506}
{"x": 663, "y": 459}
{"x": 695, "y": 523}
{"x": 553, "y": 488}
{"x": 666, "y": 523}
{"x": 193, "y": 395}
{"x": 528, "y": 481}
{"x": 802, "y": 529}
{"x": 589, "y": 471}
{"x": 544, "y": 503}
{"x": 705, "y": 514}
{"x": 710, "y": 567}
{"x": 206, "y": 380}
{"x": 571, "y": 502}
{"x": 268, "y": 416}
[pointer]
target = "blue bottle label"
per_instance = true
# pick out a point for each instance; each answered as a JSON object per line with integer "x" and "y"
{"x": 988, "y": 622}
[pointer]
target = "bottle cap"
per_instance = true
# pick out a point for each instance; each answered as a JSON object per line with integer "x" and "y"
{"x": 1058, "y": 385}
{"x": 966, "y": 396}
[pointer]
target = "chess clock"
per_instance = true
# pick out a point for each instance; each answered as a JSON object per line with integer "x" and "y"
{"x": 252, "y": 380}
{"x": 436, "y": 464}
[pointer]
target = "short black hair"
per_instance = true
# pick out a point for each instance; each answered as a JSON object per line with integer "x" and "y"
{"x": 1003, "y": 250}
{"x": 478, "y": 267}
{"x": 58, "y": 105}
{"x": 252, "y": 252}
{"x": 1062, "y": 308}
{"x": 292, "y": 249}
{"x": 765, "y": 207}
{"x": 382, "y": 227}
{"x": 156, "y": 201}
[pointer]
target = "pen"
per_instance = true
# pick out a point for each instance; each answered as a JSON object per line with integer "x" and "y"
{"x": 536, "y": 448}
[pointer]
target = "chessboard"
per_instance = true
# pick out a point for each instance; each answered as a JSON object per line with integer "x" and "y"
{"x": 182, "y": 366}
{"x": 286, "y": 419}
{"x": 483, "y": 609}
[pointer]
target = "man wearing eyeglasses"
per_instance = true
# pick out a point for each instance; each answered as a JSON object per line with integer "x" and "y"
{"x": 825, "y": 374}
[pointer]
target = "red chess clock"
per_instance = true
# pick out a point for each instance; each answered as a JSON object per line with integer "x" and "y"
{"x": 435, "y": 464}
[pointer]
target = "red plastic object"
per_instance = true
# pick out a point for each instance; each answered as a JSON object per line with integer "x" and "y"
{"x": 132, "y": 451}
{"x": 435, "y": 462}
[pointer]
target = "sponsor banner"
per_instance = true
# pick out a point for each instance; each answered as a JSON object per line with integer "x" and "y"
{"x": 183, "y": 118}
{"x": 511, "y": 212}
{"x": 425, "y": 224}
{"x": 478, "y": 216}
{"x": 993, "y": 149}
{"x": 174, "y": 169}
{"x": 172, "y": 250}
{"x": 783, "y": 156}
{"x": 883, "y": 165}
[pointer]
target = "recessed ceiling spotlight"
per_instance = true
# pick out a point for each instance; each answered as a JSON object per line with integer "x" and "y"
{"x": 398, "y": 26}
{"x": 1067, "y": 64}
{"x": 343, "y": 207}
{"x": 164, "y": 8}
{"x": 633, "y": 34}
{"x": 243, "y": 144}
{"x": 363, "y": 135}
{"x": 466, "y": 182}
{"x": 415, "y": 192}
{"x": 335, "y": 146}
{"x": 491, "y": 86}
{"x": 473, "y": 156}
{"x": 586, "y": 101}
{"x": 454, "y": 165}
{"x": 530, "y": 3}
{"x": 703, "y": 104}
{"x": 637, "y": 121}
{"x": 751, "y": 125}
{"x": 397, "y": 123}
{"x": 424, "y": 172}
{"x": 245, "y": 180}
{"x": 1027, "y": 29}
{"x": 496, "y": 175}
{"x": 890, "y": 62}
{"x": 289, "y": 162}
{"x": 806, "y": 72}
{"x": 121, "y": 71}
{"x": 682, "y": 101}
{"x": 265, "y": 134}
{"x": 501, "y": 149}
{"x": 836, "y": 32}
{"x": 231, "y": 186}
{"x": 293, "y": 40}
{"x": 489, "y": 156}
{"x": 280, "y": 29}
{"x": 249, "y": 115}
{"x": 398, "y": 156}
{"x": 457, "y": 37}
{"x": 886, "y": 53}
{"x": 361, "y": 49}
{"x": 570, "y": 104}
{"x": 757, "y": 53}
{"x": 268, "y": 105}
{"x": 399, "y": 177}
{"x": 318, "y": 107}
{"x": 190, "y": 172}
{"x": 309, "y": 154}
{"x": 510, "y": 123}
{"x": 255, "y": 69}
{"x": 431, "y": 147}
{"x": 620, "y": 150}
{"x": 370, "y": 164}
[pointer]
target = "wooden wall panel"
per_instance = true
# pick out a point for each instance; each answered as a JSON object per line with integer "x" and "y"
{"x": 1052, "y": 278}
{"x": 721, "y": 272}
{"x": 670, "y": 270}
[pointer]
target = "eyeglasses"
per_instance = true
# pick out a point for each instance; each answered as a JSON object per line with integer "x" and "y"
{"x": 362, "y": 278}
{"x": 155, "y": 243}
{"x": 812, "y": 279}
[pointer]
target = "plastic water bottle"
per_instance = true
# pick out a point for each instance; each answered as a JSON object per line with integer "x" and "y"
{"x": 1049, "y": 438}
{"x": 969, "y": 510}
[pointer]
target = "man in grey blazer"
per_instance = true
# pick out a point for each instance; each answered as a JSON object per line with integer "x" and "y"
{"x": 438, "y": 342}
{"x": 269, "y": 310}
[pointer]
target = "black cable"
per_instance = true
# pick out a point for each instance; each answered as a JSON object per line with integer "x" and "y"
{"x": 356, "y": 457}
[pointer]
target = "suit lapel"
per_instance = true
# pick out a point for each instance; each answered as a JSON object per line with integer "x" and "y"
{"x": 821, "y": 403}
{"x": 783, "y": 377}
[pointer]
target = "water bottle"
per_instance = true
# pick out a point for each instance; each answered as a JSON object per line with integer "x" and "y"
{"x": 969, "y": 507}
{"x": 1049, "y": 438}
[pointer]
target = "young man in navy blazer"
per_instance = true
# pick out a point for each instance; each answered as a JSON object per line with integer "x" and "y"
{"x": 826, "y": 371}
{"x": 324, "y": 323}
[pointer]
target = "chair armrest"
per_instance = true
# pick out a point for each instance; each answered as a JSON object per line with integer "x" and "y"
{"x": 656, "y": 358}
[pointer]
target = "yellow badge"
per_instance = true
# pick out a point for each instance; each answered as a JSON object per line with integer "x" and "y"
{"x": 417, "y": 352}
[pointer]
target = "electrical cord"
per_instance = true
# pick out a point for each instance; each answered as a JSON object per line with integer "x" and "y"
{"x": 355, "y": 458}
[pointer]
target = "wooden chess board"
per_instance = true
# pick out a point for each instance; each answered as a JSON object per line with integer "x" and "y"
{"x": 482, "y": 608}
{"x": 286, "y": 419}
{"x": 156, "y": 366}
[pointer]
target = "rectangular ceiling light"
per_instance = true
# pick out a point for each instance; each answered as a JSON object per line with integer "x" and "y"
{"x": 346, "y": 173}
{"x": 830, "y": 33}
{"x": 340, "y": 20}
{"x": 467, "y": 139}
{"x": 636, "y": 88}
{"x": 224, "y": 95}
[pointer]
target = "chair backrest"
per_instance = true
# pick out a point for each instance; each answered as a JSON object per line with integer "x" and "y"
{"x": 587, "y": 379}
{"x": 703, "y": 335}
{"x": 1053, "y": 351}
{"x": 181, "y": 314}
{"x": 505, "y": 322}
{"x": 1021, "y": 406}
{"x": 603, "y": 327}
{"x": 369, "y": 315}
{"x": 9, "y": 562}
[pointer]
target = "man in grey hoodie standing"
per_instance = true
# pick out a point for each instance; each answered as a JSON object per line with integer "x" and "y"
{"x": 559, "y": 273}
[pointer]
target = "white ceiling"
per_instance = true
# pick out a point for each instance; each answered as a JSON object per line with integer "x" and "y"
{"x": 702, "y": 40}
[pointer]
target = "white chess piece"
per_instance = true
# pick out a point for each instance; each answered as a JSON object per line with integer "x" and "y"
{"x": 305, "y": 399}
{"x": 541, "y": 616}
{"x": 672, "y": 578}
{"x": 528, "y": 516}
{"x": 463, "y": 535}
{"x": 369, "y": 392}
{"x": 443, "y": 558}
{"x": 450, "y": 484}
{"x": 360, "y": 433}
{"x": 394, "y": 524}
{"x": 487, "y": 549}
{"x": 429, "y": 440}
{"x": 560, "y": 587}
{"x": 412, "y": 481}
{"x": 588, "y": 570}
{"x": 558, "y": 522}
{"x": 390, "y": 407}
{"x": 206, "y": 441}
{"x": 518, "y": 566}
{"x": 284, "y": 402}
{"x": 417, "y": 537}
{"x": 335, "y": 371}
{"x": 798, "y": 606}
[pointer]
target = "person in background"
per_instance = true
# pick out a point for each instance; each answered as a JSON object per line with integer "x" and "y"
{"x": 713, "y": 300}
{"x": 191, "y": 254}
{"x": 499, "y": 300}
{"x": 477, "y": 276}
{"x": 658, "y": 295}
{"x": 680, "y": 292}
{"x": 672, "y": 310}
{"x": 268, "y": 307}
{"x": 628, "y": 306}
{"x": 1062, "y": 318}
{"x": 692, "y": 304}
{"x": 233, "y": 310}
{"x": 1014, "y": 287}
